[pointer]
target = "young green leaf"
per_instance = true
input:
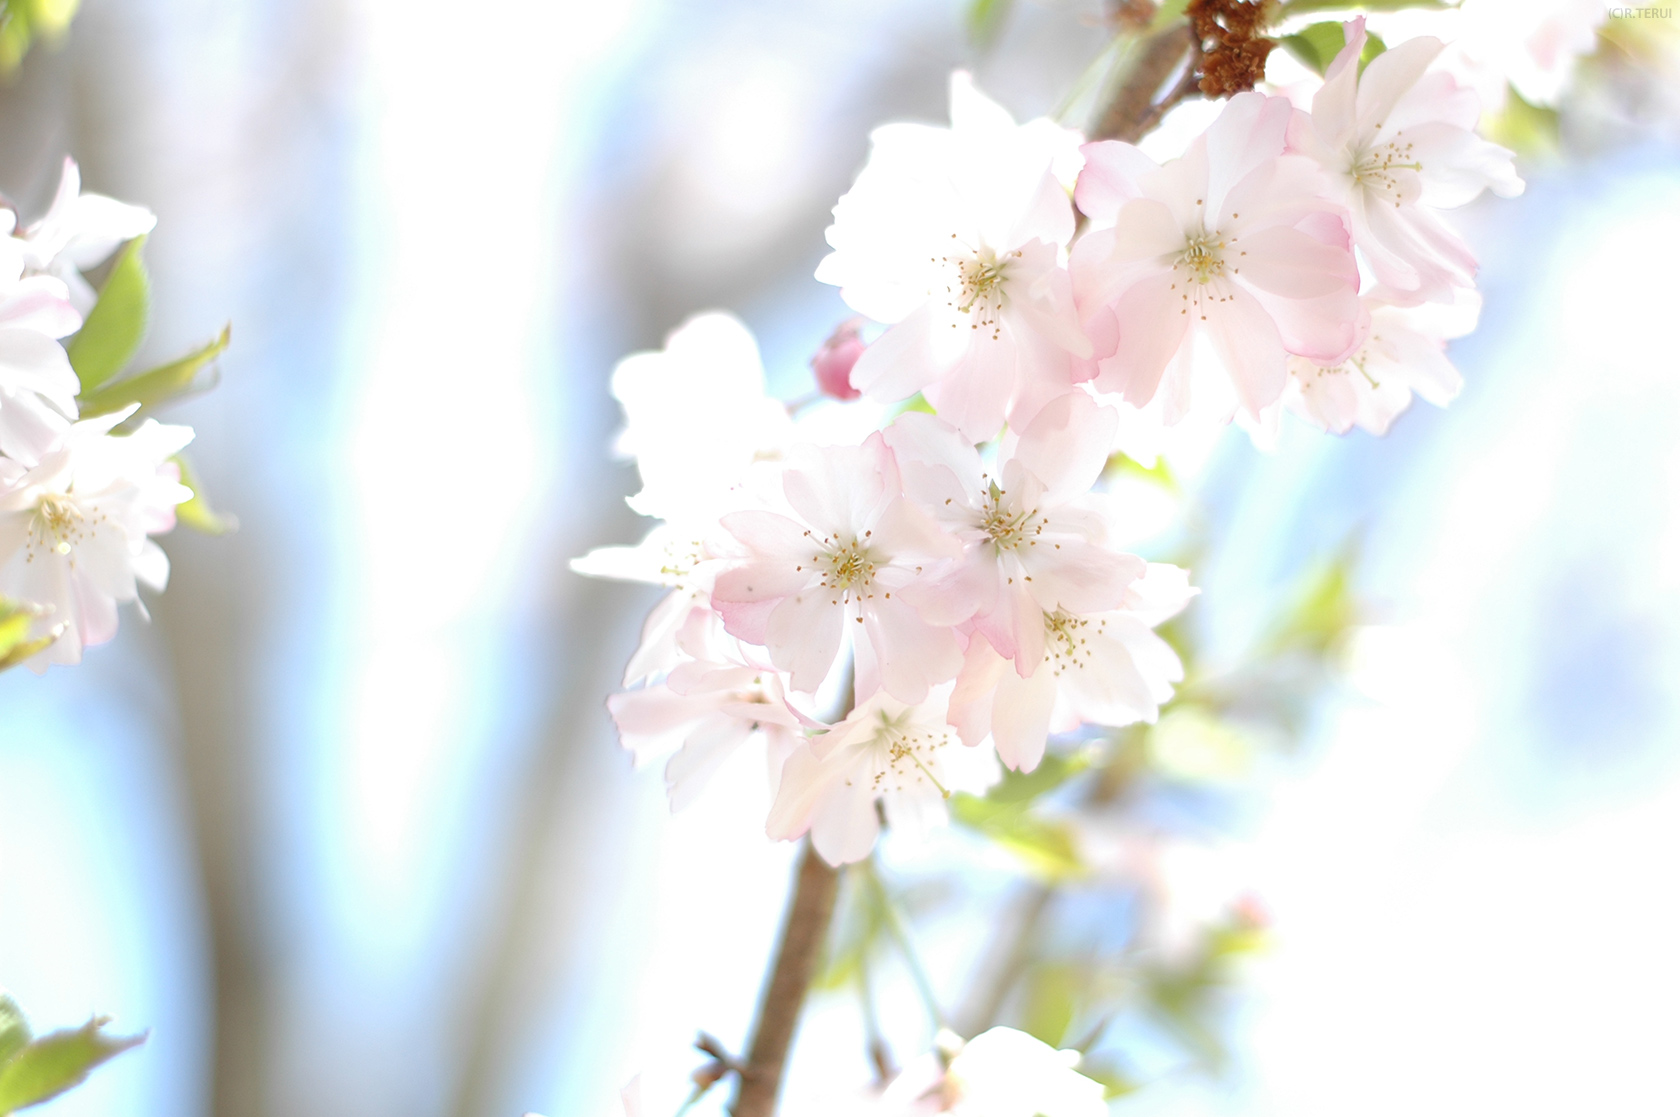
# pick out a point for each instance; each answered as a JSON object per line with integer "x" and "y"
{"x": 115, "y": 326}
{"x": 156, "y": 385}
{"x": 16, "y": 646}
{"x": 1045, "y": 845}
{"x": 14, "y": 1029}
{"x": 1316, "y": 45}
{"x": 985, "y": 18}
{"x": 1527, "y": 129}
{"x": 46, "y": 1067}
{"x": 23, "y": 21}
{"x": 197, "y": 513}
{"x": 1305, "y": 7}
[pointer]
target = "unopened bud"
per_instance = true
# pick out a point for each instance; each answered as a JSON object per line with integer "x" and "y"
{"x": 833, "y": 362}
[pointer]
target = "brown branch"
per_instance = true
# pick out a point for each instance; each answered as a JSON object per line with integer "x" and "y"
{"x": 1132, "y": 111}
{"x": 796, "y": 962}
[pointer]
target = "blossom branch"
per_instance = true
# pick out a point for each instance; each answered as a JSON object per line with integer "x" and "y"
{"x": 760, "y": 1079}
{"x": 1133, "y": 110}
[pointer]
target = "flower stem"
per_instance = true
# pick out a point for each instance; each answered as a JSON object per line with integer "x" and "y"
{"x": 803, "y": 933}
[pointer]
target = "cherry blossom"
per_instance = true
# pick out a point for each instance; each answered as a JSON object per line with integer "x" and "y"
{"x": 1102, "y": 668}
{"x": 845, "y": 551}
{"x": 74, "y": 529}
{"x": 903, "y": 756}
{"x": 1404, "y": 351}
{"x": 79, "y": 231}
{"x": 1397, "y": 143}
{"x": 1233, "y": 243}
{"x": 833, "y": 363}
{"x": 1032, "y": 539}
{"x": 1531, "y": 46}
{"x": 954, "y": 236}
{"x": 999, "y": 1073}
{"x": 696, "y": 416}
{"x": 37, "y": 385}
{"x": 711, "y": 701}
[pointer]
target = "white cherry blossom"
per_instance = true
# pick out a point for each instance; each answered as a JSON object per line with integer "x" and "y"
{"x": 711, "y": 701}
{"x": 79, "y": 231}
{"x": 1531, "y": 46}
{"x": 1231, "y": 243}
{"x": 1032, "y": 538}
{"x": 837, "y": 558}
{"x": 75, "y": 528}
{"x": 1404, "y": 351}
{"x": 999, "y": 1073}
{"x": 1102, "y": 668}
{"x": 37, "y": 385}
{"x": 904, "y": 756}
{"x": 954, "y": 236}
{"x": 1398, "y": 143}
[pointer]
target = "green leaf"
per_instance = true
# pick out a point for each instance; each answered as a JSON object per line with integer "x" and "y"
{"x": 16, "y": 624}
{"x": 1170, "y": 11}
{"x": 1045, "y": 845}
{"x": 46, "y": 1067}
{"x": 1053, "y": 993}
{"x": 1322, "y": 611}
{"x": 108, "y": 339}
{"x": 156, "y": 385}
{"x": 1305, "y": 7}
{"x": 14, "y": 1029}
{"x": 197, "y": 512}
{"x": 23, "y": 21}
{"x": 1316, "y": 45}
{"x": 1525, "y": 128}
{"x": 1122, "y": 465}
{"x": 1053, "y": 771}
{"x": 985, "y": 18}
{"x": 1190, "y": 744}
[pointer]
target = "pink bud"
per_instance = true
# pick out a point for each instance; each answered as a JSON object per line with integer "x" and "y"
{"x": 833, "y": 362}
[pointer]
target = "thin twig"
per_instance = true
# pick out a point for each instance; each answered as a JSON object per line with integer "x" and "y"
{"x": 1008, "y": 958}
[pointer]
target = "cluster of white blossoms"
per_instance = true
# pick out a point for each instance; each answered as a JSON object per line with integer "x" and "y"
{"x": 928, "y": 549}
{"x": 79, "y": 501}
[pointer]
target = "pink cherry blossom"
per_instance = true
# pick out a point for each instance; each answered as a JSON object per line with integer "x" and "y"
{"x": 1232, "y": 243}
{"x": 1103, "y": 668}
{"x": 1032, "y": 539}
{"x": 833, "y": 363}
{"x": 1404, "y": 351}
{"x": 1398, "y": 143}
{"x": 954, "y": 236}
{"x": 713, "y": 699}
{"x": 903, "y": 756}
{"x": 839, "y": 559}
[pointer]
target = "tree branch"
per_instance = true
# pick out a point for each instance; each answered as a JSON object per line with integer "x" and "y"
{"x": 796, "y": 962}
{"x": 1133, "y": 110}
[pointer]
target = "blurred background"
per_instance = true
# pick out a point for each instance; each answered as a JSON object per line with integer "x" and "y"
{"x": 346, "y": 827}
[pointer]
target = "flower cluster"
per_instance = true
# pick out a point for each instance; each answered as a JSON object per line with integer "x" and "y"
{"x": 80, "y": 494}
{"x": 929, "y": 548}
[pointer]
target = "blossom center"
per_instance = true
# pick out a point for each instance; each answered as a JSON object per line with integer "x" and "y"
{"x": 1203, "y": 257}
{"x": 847, "y": 566}
{"x": 904, "y": 754}
{"x": 1067, "y": 640}
{"x": 58, "y": 526}
{"x": 1381, "y": 169}
{"x": 977, "y": 287}
{"x": 1007, "y": 527}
